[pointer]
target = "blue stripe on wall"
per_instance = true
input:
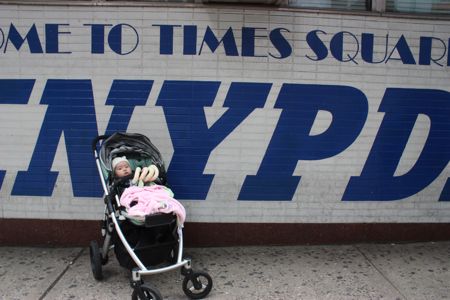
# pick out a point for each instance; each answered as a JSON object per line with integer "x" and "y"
{"x": 15, "y": 91}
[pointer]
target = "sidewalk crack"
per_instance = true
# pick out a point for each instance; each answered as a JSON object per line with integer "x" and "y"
{"x": 61, "y": 275}
{"x": 381, "y": 272}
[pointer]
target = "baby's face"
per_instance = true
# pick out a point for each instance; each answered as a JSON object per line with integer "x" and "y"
{"x": 122, "y": 169}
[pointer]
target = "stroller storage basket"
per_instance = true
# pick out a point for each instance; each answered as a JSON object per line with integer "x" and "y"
{"x": 155, "y": 244}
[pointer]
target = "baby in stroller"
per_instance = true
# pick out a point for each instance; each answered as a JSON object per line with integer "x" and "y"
{"x": 121, "y": 169}
{"x": 142, "y": 221}
{"x": 142, "y": 196}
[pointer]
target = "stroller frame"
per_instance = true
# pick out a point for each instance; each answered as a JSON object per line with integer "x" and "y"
{"x": 193, "y": 286}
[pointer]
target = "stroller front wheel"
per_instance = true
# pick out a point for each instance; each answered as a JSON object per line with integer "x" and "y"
{"x": 146, "y": 292}
{"x": 197, "y": 285}
{"x": 96, "y": 260}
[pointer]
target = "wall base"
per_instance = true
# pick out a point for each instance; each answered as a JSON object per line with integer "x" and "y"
{"x": 34, "y": 232}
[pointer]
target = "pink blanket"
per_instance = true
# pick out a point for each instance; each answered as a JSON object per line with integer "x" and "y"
{"x": 147, "y": 200}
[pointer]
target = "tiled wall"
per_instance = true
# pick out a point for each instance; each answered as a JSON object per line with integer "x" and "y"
{"x": 229, "y": 154}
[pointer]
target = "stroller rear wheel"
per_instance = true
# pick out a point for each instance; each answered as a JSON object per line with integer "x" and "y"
{"x": 147, "y": 292}
{"x": 96, "y": 260}
{"x": 197, "y": 285}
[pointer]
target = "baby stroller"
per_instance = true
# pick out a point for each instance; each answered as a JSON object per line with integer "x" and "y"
{"x": 145, "y": 246}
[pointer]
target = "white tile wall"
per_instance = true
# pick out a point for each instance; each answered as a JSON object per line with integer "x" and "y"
{"x": 323, "y": 182}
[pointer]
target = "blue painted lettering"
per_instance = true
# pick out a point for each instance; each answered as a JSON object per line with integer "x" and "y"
{"x": 32, "y": 37}
{"x": 292, "y": 142}
{"x": 190, "y": 40}
{"x": 448, "y": 53}
{"x": 367, "y": 44}
{"x": 97, "y": 37}
{"x": 229, "y": 43}
{"x": 71, "y": 112}
{"x": 401, "y": 108}
{"x": 193, "y": 141}
{"x": 337, "y": 47}
{"x": 125, "y": 95}
{"x": 166, "y": 38}
{"x": 445, "y": 195}
{"x": 344, "y": 46}
{"x": 52, "y": 38}
{"x": 2, "y": 36}
{"x": 280, "y": 43}
{"x": 115, "y": 36}
{"x": 403, "y": 51}
{"x": 425, "y": 51}
{"x": 115, "y": 39}
{"x": 248, "y": 41}
{"x": 15, "y": 91}
{"x": 316, "y": 45}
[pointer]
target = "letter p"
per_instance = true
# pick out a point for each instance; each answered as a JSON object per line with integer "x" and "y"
{"x": 292, "y": 141}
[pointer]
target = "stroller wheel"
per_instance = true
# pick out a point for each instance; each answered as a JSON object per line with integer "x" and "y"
{"x": 105, "y": 260}
{"x": 147, "y": 293}
{"x": 96, "y": 260}
{"x": 197, "y": 285}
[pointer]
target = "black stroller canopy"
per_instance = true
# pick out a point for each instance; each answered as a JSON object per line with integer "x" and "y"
{"x": 120, "y": 144}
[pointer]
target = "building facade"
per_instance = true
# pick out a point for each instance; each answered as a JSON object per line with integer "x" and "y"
{"x": 278, "y": 124}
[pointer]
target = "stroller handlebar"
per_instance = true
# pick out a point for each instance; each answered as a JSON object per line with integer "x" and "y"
{"x": 98, "y": 139}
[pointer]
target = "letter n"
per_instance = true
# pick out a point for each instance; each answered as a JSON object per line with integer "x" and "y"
{"x": 70, "y": 112}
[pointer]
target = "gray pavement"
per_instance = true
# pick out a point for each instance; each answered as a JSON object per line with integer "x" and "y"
{"x": 362, "y": 271}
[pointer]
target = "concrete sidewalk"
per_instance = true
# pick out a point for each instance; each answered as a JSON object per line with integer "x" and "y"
{"x": 363, "y": 271}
